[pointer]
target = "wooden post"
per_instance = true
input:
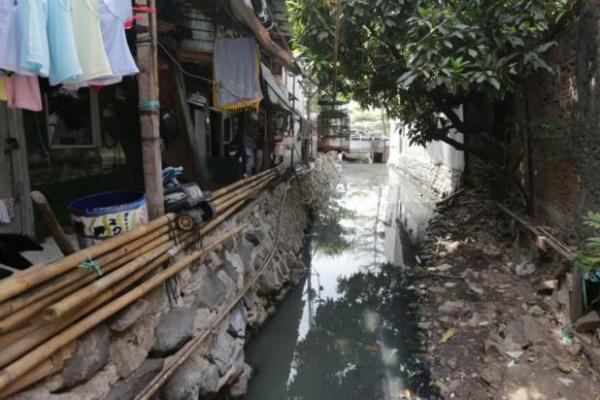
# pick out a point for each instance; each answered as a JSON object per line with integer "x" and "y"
{"x": 149, "y": 107}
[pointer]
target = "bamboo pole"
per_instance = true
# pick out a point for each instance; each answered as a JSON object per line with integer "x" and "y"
{"x": 10, "y": 338}
{"x": 149, "y": 108}
{"x": 19, "y": 283}
{"x": 58, "y": 234}
{"x": 220, "y": 192}
{"x": 14, "y": 320}
{"x": 49, "y": 329}
{"x": 226, "y": 204}
{"x": 243, "y": 189}
{"x": 90, "y": 291}
{"x": 48, "y": 367}
{"x": 240, "y": 194}
{"x": 26, "y": 299}
{"x": 78, "y": 277}
{"x": 22, "y": 366}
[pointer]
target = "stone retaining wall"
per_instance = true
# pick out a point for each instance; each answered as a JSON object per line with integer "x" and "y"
{"x": 117, "y": 358}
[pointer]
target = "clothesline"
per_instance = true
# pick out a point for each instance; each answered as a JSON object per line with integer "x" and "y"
{"x": 74, "y": 43}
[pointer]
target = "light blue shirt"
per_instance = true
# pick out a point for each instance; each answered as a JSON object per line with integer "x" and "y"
{"x": 34, "y": 50}
{"x": 64, "y": 62}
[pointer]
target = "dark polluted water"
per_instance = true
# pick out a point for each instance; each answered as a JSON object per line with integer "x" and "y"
{"x": 348, "y": 332}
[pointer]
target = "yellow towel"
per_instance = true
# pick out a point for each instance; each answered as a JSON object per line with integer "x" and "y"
{"x": 3, "y": 89}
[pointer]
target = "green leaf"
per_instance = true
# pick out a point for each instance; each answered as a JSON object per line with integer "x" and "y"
{"x": 495, "y": 83}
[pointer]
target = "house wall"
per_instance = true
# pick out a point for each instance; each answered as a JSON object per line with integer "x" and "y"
{"x": 564, "y": 122}
{"x": 437, "y": 165}
{"x": 66, "y": 173}
{"x": 294, "y": 87}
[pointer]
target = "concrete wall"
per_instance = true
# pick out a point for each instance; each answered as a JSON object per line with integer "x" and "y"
{"x": 117, "y": 358}
{"x": 565, "y": 123}
{"x": 437, "y": 166}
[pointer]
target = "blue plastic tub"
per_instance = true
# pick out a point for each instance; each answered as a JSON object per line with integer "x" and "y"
{"x": 101, "y": 216}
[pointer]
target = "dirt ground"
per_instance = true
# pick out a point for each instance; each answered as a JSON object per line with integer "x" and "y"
{"x": 492, "y": 316}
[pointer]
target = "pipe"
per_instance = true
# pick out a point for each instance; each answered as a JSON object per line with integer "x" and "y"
{"x": 37, "y": 274}
{"x": 22, "y": 366}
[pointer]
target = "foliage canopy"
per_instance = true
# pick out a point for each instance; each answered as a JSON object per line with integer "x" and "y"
{"x": 421, "y": 59}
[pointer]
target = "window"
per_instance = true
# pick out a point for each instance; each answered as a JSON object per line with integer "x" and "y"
{"x": 73, "y": 119}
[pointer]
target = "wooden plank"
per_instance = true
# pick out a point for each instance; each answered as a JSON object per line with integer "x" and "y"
{"x": 190, "y": 132}
{"x": 202, "y": 133}
{"x": 18, "y": 173}
{"x": 196, "y": 57}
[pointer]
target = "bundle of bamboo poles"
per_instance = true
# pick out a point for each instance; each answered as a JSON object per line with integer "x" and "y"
{"x": 44, "y": 309}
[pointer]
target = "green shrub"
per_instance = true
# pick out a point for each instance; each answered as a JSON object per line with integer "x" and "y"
{"x": 589, "y": 256}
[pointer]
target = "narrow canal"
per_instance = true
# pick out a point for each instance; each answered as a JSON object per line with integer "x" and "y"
{"x": 348, "y": 331}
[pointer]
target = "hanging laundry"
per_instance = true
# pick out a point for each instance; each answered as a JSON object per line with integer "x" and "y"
{"x": 85, "y": 15}
{"x": 113, "y": 16}
{"x": 24, "y": 92}
{"x": 236, "y": 72}
{"x": 3, "y": 89}
{"x": 10, "y": 32}
{"x": 34, "y": 52}
{"x": 64, "y": 63}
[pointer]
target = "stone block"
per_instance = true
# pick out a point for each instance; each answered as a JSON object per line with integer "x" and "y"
{"x": 174, "y": 329}
{"x": 90, "y": 356}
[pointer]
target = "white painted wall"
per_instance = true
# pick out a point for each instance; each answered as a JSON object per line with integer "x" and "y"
{"x": 293, "y": 86}
{"x": 437, "y": 165}
{"x": 434, "y": 153}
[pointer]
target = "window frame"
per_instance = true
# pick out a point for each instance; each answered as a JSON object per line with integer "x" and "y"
{"x": 95, "y": 121}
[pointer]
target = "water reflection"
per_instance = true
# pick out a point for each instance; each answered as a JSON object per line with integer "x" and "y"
{"x": 329, "y": 236}
{"x": 348, "y": 332}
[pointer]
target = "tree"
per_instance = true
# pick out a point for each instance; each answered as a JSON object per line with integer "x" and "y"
{"x": 421, "y": 59}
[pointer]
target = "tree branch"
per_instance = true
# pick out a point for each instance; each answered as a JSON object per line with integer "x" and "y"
{"x": 443, "y": 137}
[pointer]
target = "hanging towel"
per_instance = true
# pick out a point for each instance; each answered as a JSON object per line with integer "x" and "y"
{"x": 34, "y": 52}
{"x": 85, "y": 15}
{"x": 4, "y": 214}
{"x": 64, "y": 63}
{"x": 24, "y": 92}
{"x": 3, "y": 96}
{"x": 236, "y": 73}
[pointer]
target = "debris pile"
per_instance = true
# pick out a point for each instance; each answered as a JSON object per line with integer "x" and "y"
{"x": 491, "y": 315}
